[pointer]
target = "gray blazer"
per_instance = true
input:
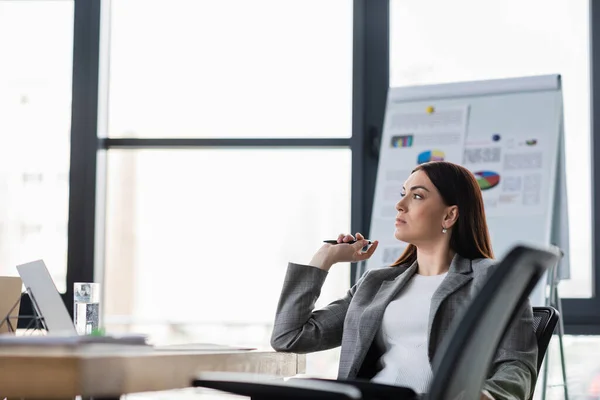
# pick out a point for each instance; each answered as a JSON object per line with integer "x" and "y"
{"x": 354, "y": 320}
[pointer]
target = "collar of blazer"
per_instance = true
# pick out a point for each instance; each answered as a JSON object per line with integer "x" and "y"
{"x": 395, "y": 278}
{"x": 459, "y": 274}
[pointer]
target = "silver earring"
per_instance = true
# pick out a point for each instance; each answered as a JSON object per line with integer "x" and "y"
{"x": 444, "y": 230}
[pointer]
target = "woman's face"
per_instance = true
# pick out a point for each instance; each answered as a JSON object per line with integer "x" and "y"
{"x": 421, "y": 212}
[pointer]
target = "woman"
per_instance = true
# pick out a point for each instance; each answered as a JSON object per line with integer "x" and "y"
{"x": 391, "y": 323}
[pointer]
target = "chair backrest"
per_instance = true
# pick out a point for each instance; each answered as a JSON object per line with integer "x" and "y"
{"x": 461, "y": 366}
{"x": 544, "y": 323}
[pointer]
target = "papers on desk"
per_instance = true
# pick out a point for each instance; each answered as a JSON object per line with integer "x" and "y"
{"x": 135, "y": 340}
{"x": 130, "y": 339}
{"x": 201, "y": 347}
{"x": 71, "y": 340}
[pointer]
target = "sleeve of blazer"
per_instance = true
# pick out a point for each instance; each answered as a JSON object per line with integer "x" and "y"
{"x": 297, "y": 327}
{"x": 514, "y": 370}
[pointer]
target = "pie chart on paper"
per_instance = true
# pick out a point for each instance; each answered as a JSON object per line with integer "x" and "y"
{"x": 487, "y": 179}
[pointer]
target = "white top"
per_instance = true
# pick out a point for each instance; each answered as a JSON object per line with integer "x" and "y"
{"x": 403, "y": 335}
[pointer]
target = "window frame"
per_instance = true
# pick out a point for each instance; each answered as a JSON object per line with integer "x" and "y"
{"x": 582, "y": 316}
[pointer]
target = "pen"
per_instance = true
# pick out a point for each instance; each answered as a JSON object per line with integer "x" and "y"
{"x": 336, "y": 242}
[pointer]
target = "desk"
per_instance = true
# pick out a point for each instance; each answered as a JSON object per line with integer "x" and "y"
{"x": 44, "y": 372}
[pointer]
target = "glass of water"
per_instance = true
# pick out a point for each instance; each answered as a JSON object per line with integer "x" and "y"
{"x": 86, "y": 303}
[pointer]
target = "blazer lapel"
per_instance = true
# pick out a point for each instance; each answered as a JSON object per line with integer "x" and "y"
{"x": 371, "y": 320}
{"x": 459, "y": 274}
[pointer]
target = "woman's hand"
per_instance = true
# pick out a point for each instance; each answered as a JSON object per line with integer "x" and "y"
{"x": 330, "y": 254}
{"x": 485, "y": 395}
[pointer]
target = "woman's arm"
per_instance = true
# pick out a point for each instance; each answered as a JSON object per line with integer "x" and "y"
{"x": 514, "y": 370}
{"x": 297, "y": 327}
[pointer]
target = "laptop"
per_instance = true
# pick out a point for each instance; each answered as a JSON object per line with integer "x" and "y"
{"x": 46, "y": 298}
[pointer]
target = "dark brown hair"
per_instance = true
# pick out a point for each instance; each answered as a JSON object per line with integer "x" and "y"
{"x": 457, "y": 186}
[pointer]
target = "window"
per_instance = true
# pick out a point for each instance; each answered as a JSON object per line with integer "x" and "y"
{"x": 198, "y": 240}
{"x": 231, "y": 68}
{"x": 35, "y": 104}
{"x": 582, "y": 367}
{"x": 437, "y": 41}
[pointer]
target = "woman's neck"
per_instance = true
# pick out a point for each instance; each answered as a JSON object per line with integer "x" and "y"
{"x": 435, "y": 260}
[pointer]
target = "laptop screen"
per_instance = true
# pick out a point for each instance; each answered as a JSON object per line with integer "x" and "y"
{"x": 37, "y": 279}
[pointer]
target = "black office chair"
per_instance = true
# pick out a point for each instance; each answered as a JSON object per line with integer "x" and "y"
{"x": 544, "y": 323}
{"x": 545, "y": 320}
{"x": 462, "y": 362}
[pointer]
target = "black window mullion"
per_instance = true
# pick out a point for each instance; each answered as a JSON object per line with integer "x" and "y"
{"x": 369, "y": 93}
{"x": 174, "y": 143}
{"x": 84, "y": 119}
{"x": 582, "y": 316}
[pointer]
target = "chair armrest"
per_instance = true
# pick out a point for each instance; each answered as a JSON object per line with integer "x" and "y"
{"x": 260, "y": 386}
{"x": 374, "y": 391}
